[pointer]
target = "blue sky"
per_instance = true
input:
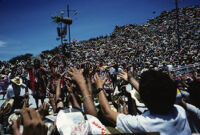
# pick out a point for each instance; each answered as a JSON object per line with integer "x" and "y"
{"x": 26, "y": 25}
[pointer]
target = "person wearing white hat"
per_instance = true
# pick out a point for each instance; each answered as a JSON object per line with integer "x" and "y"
{"x": 14, "y": 88}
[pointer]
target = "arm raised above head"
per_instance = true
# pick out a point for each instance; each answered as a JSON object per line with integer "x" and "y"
{"x": 87, "y": 98}
{"x": 105, "y": 107}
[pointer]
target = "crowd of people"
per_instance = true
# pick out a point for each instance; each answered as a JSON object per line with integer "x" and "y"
{"x": 86, "y": 82}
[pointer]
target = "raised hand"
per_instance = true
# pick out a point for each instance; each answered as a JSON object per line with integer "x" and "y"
{"x": 26, "y": 103}
{"x": 43, "y": 109}
{"x": 33, "y": 124}
{"x": 123, "y": 75}
{"x": 76, "y": 75}
{"x": 69, "y": 86}
{"x": 3, "y": 112}
{"x": 121, "y": 100}
{"x": 60, "y": 75}
{"x": 99, "y": 83}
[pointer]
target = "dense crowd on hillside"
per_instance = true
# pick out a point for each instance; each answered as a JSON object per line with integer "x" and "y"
{"x": 86, "y": 82}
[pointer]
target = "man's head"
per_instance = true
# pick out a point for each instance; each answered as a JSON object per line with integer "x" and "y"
{"x": 157, "y": 91}
{"x": 37, "y": 63}
{"x": 28, "y": 61}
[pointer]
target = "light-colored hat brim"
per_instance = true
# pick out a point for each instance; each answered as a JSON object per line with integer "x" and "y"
{"x": 14, "y": 80}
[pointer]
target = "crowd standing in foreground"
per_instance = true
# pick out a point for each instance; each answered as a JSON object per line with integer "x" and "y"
{"x": 86, "y": 83}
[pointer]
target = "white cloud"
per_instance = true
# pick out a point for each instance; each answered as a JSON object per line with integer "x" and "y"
{"x": 2, "y": 44}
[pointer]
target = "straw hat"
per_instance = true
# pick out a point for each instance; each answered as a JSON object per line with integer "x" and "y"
{"x": 17, "y": 80}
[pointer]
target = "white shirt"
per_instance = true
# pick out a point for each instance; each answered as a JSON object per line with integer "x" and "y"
{"x": 175, "y": 123}
{"x": 193, "y": 117}
{"x": 10, "y": 91}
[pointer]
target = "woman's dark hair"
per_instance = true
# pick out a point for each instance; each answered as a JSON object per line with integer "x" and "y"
{"x": 157, "y": 91}
{"x": 194, "y": 91}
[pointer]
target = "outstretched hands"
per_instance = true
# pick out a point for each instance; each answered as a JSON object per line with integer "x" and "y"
{"x": 60, "y": 75}
{"x": 123, "y": 75}
{"x": 76, "y": 75}
{"x": 99, "y": 83}
{"x": 126, "y": 76}
{"x": 70, "y": 86}
{"x": 33, "y": 124}
{"x": 129, "y": 77}
{"x": 3, "y": 112}
{"x": 43, "y": 109}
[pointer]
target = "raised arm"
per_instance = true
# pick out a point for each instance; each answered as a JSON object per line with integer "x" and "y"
{"x": 183, "y": 83}
{"x": 87, "y": 98}
{"x": 128, "y": 77}
{"x": 105, "y": 107}
{"x": 192, "y": 109}
{"x": 71, "y": 93}
{"x": 89, "y": 84}
{"x": 52, "y": 58}
{"x": 87, "y": 74}
{"x": 125, "y": 111}
{"x": 59, "y": 102}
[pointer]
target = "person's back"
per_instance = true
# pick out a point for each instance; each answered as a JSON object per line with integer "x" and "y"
{"x": 173, "y": 123}
{"x": 193, "y": 107}
{"x": 158, "y": 92}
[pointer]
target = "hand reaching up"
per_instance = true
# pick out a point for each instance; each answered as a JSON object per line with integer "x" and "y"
{"x": 43, "y": 109}
{"x": 3, "y": 112}
{"x": 123, "y": 75}
{"x": 76, "y": 75}
{"x": 69, "y": 86}
{"x": 33, "y": 124}
{"x": 126, "y": 76}
{"x": 99, "y": 83}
